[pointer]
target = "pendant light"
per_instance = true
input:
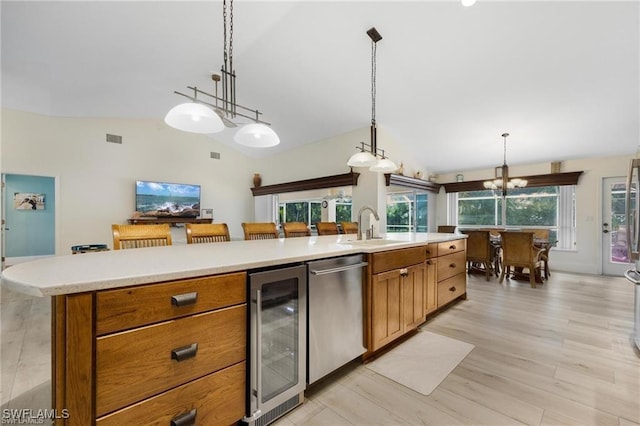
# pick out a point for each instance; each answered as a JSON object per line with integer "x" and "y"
{"x": 194, "y": 117}
{"x": 256, "y": 135}
{"x": 220, "y": 111}
{"x": 362, "y": 159}
{"x": 368, "y": 155}
{"x": 502, "y": 181}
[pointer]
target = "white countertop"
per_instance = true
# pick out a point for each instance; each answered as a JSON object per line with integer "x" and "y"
{"x": 78, "y": 273}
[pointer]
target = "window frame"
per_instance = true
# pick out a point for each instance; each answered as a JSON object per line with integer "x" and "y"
{"x": 565, "y": 215}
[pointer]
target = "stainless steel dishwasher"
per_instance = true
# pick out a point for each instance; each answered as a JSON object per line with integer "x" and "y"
{"x": 335, "y": 314}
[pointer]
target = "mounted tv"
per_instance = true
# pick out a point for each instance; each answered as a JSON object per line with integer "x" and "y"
{"x": 162, "y": 199}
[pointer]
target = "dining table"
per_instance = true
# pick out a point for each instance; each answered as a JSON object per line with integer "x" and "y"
{"x": 540, "y": 244}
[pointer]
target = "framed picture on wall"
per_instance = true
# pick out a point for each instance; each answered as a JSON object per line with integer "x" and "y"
{"x": 28, "y": 201}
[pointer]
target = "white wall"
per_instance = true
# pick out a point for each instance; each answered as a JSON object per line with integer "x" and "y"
{"x": 96, "y": 178}
{"x": 329, "y": 157}
{"x": 587, "y": 256}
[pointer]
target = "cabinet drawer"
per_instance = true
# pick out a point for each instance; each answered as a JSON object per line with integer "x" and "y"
{"x": 454, "y": 246}
{"x": 218, "y": 399}
{"x": 135, "y": 306}
{"x": 136, "y": 364}
{"x": 451, "y": 288}
{"x": 431, "y": 250}
{"x": 451, "y": 264}
{"x": 388, "y": 260}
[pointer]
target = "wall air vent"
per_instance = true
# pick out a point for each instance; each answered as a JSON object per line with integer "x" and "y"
{"x": 114, "y": 138}
{"x": 215, "y": 155}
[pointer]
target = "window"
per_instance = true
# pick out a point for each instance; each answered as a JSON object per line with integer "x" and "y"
{"x": 343, "y": 211}
{"x": 550, "y": 207}
{"x": 407, "y": 212}
{"x": 308, "y": 212}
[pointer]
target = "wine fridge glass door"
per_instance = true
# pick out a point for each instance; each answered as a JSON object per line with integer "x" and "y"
{"x": 278, "y": 339}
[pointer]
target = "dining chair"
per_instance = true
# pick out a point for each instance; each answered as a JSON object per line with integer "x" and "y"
{"x": 327, "y": 228}
{"x": 296, "y": 229}
{"x": 139, "y": 236}
{"x": 349, "y": 227}
{"x": 447, "y": 229}
{"x": 494, "y": 232}
{"x": 480, "y": 253}
{"x": 543, "y": 236}
{"x": 207, "y": 233}
{"x": 259, "y": 230}
{"x": 518, "y": 251}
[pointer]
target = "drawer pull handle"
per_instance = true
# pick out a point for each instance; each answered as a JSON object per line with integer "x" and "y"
{"x": 452, "y": 289}
{"x": 404, "y": 272}
{"x": 428, "y": 251}
{"x": 452, "y": 247}
{"x": 185, "y": 419}
{"x": 184, "y": 299}
{"x": 452, "y": 265}
{"x": 185, "y": 352}
{"x": 429, "y": 262}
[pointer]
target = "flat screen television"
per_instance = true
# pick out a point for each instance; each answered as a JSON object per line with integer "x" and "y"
{"x": 162, "y": 199}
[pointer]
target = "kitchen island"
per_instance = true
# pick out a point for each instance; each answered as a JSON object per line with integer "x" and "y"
{"x": 112, "y": 323}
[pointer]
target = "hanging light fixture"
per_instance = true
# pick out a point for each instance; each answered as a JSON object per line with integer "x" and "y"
{"x": 467, "y": 3}
{"x": 502, "y": 180}
{"x": 194, "y": 117}
{"x": 218, "y": 112}
{"x": 369, "y": 153}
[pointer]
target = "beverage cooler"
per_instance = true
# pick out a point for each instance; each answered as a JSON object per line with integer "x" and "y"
{"x": 277, "y": 343}
{"x": 632, "y": 202}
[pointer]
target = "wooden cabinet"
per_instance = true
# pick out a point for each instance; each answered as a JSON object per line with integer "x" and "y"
{"x": 153, "y": 353}
{"x": 405, "y": 285}
{"x": 169, "y": 219}
{"x": 431, "y": 283}
{"x": 451, "y": 271}
{"x": 397, "y": 295}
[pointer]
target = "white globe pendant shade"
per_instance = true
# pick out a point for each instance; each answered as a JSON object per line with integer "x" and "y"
{"x": 467, "y": 3}
{"x": 194, "y": 117}
{"x": 362, "y": 159}
{"x": 256, "y": 135}
{"x": 384, "y": 165}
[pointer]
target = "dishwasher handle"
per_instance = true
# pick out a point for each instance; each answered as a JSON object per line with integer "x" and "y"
{"x": 338, "y": 269}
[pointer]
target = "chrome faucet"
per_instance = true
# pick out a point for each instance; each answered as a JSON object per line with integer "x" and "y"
{"x": 362, "y": 209}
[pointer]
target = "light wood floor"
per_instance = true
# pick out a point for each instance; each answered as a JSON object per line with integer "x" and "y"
{"x": 559, "y": 354}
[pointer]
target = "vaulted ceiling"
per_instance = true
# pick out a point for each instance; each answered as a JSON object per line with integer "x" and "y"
{"x": 562, "y": 77}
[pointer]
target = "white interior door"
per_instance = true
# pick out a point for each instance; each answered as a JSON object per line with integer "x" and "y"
{"x": 615, "y": 256}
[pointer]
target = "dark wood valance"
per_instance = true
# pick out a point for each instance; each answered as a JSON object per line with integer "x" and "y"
{"x": 409, "y": 182}
{"x": 551, "y": 179}
{"x": 346, "y": 179}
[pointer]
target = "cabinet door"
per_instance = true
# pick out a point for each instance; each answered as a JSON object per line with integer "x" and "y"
{"x": 431, "y": 286}
{"x": 413, "y": 295}
{"x": 386, "y": 315}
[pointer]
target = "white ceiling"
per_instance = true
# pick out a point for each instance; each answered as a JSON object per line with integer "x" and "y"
{"x": 562, "y": 77}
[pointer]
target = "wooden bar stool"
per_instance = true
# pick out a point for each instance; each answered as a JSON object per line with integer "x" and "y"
{"x": 259, "y": 230}
{"x": 296, "y": 229}
{"x": 349, "y": 227}
{"x": 327, "y": 228}
{"x": 207, "y": 233}
{"x": 138, "y": 236}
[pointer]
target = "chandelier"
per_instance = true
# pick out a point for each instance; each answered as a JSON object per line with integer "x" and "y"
{"x": 369, "y": 152}
{"x": 215, "y": 113}
{"x": 502, "y": 180}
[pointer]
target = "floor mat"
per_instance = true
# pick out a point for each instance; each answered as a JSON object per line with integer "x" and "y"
{"x": 422, "y": 362}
